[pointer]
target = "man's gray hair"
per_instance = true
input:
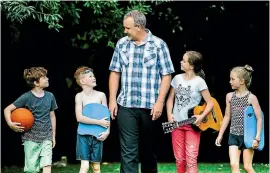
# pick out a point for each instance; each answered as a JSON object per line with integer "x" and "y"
{"x": 138, "y": 17}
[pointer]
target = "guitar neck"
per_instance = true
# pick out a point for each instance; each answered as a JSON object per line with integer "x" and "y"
{"x": 187, "y": 121}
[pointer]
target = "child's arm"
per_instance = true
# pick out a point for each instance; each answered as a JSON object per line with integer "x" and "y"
{"x": 53, "y": 120}
{"x": 257, "y": 111}
{"x": 226, "y": 119}
{"x": 209, "y": 106}
{"x": 83, "y": 119}
{"x": 104, "y": 102}
{"x": 105, "y": 134}
{"x": 13, "y": 125}
{"x": 169, "y": 104}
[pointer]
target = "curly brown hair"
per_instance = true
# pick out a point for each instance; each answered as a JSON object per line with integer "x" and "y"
{"x": 80, "y": 71}
{"x": 33, "y": 74}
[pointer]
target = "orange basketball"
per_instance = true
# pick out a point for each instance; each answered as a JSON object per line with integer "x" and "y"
{"x": 23, "y": 116}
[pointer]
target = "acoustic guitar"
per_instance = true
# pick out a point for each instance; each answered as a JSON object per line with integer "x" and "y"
{"x": 213, "y": 119}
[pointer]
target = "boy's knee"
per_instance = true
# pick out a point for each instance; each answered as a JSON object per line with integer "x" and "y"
{"x": 234, "y": 165}
{"x": 248, "y": 167}
{"x": 31, "y": 169}
{"x": 85, "y": 166}
{"x": 95, "y": 167}
{"x": 47, "y": 169}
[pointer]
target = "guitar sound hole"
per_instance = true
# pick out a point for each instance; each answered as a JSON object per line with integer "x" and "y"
{"x": 250, "y": 115}
{"x": 214, "y": 116}
{"x": 205, "y": 120}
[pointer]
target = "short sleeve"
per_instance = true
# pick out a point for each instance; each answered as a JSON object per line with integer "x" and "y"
{"x": 53, "y": 104}
{"x": 165, "y": 62}
{"x": 115, "y": 64}
{"x": 21, "y": 101}
{"x": 175, "y": 80}
{"x": 202, "y": 85}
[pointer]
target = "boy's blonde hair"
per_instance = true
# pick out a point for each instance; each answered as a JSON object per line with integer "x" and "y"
{"x": 33, "y": 74}
{"x": 81, "y": 71}
{"x": 245, "y": 73}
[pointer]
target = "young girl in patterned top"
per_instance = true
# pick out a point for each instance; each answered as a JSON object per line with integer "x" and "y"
{"x": 187, "y": 91}
{"x": 236, "y": 102}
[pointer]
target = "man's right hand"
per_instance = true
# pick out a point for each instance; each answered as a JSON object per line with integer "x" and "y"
{"x": 113, "y": 109}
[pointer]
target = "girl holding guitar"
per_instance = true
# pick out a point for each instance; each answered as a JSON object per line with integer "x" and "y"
{"x": 236, "y": 103}
{"x": 186, "y": 92}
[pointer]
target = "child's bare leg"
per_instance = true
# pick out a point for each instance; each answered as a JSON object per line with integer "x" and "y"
{"x": 247, "y": 159}
{"x": 84, "y": 166}
{"x": 95, "y": 167}
{"x": 234, "y": 153}
{"x": 47, "y": 169}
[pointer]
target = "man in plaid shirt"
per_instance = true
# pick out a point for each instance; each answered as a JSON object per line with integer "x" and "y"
{"x": 143, "y": 63}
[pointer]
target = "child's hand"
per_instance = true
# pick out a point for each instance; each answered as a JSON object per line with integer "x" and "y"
{"x": 198, "y": 120}
{"x": 104, "y": 123}
{"x": 170, "y": 118}
{"x": 53, "y": 143}
{"x": 255, "y": 144}
{"x": 16, "y": 127}
{"x": 218, "y": 141}
{"x": 103, "y": 136}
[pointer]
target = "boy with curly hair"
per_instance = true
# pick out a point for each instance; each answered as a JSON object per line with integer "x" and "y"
{"x": 40, "y": 139}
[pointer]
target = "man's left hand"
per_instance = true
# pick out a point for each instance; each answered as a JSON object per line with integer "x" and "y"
{"x": 156, "y": 110}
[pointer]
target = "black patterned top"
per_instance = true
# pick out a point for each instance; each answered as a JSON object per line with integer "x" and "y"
{"x": 238, "y": 105}
{"x": 41, "y": 108}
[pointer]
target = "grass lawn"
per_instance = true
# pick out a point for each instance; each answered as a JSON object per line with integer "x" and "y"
{"x": 162, "y": 168}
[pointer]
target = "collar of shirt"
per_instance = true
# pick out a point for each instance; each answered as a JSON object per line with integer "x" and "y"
{"x": 148, "y": 38}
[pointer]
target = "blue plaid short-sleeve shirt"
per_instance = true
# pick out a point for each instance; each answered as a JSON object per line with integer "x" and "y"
{"x": 141, "y": 69}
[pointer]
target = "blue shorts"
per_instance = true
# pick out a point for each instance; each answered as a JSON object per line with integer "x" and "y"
{"x": 88, "y": 148}
{"x": 237, "y": 140}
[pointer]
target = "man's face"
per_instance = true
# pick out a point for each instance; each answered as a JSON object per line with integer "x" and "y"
{"x": 130, "y": 29}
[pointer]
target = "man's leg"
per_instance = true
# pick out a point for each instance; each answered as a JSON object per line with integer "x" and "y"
{"x": 148, "y": 158}
{"x": 128, "y": 133}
